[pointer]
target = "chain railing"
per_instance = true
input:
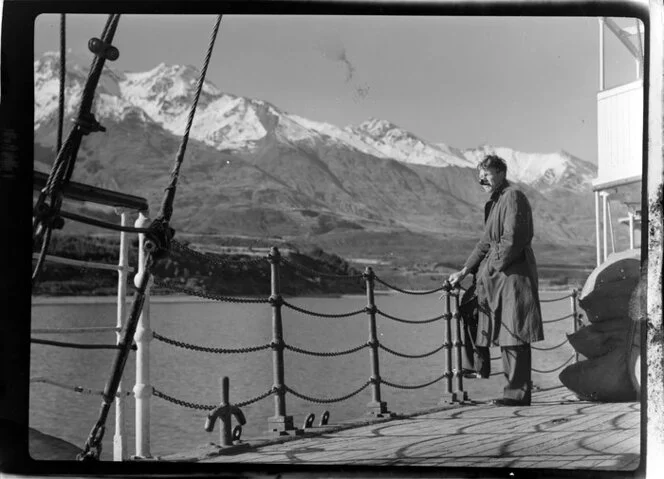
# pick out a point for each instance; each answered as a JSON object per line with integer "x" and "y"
{"x": 281, "y": 422}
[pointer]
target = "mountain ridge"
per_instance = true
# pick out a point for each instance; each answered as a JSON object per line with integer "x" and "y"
{"x": 252, "y": 168}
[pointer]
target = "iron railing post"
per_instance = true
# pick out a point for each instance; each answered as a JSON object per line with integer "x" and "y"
{"x": 575, "y": 319}
{"x": 142, "y": 337}
{"x": 447, "y": 346}
{"x": 120, "y": 437}
{"x": 459, "y": 395}
{"x": 280, "y": 423}
{"x": 376, "y": 407}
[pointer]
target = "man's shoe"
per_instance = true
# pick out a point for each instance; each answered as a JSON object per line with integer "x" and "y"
{"x": 509, "y": 402}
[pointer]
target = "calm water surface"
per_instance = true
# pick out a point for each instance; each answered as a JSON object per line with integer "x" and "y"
{"x": 194, "y": 376}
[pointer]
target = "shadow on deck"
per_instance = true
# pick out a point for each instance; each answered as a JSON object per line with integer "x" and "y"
{"x": 557, "y": 431}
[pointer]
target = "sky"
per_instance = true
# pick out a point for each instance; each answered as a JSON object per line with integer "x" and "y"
{"x": 528, "y": 83}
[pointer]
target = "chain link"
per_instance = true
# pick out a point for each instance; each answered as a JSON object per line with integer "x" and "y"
{"x": 571, "y": 315}
{"x": 552, "y": 347}
{"x": 318, "y": 273}
{"x": 413, "y": 356}
{"x": 204, "y": 349}
{"x": 555, "y": 369}
{"x": 407, "y": 291}
{"x": 327, "y": 401}
{"x": 412, "y": 321}
{"x": 323, "y": 315}
{"x": 419, "y": 386}
{"x": 202, "y": 294}
{"x": 214, "y": 260}
{"x": 555, "y": 299}
{"x": 313, "y": 353}
{"x": 206, "y": 407}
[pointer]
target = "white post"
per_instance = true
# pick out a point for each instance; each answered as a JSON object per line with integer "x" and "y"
{"x": 601, "y": 54}
{"x": 597, "y": 230}
{"x": 608, "y": 209}
{"x": 631, "y": 230}
{"x": 142, "y": 337}
{"x": 605, "y": 224}
{"x": 120, "y": 438}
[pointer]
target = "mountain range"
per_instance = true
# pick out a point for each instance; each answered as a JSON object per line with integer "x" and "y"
{"x": 253, "y": 169}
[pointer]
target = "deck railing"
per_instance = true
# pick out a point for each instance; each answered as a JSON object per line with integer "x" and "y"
{"x": 120, "y": 451}
{"x": 282, "y": 423}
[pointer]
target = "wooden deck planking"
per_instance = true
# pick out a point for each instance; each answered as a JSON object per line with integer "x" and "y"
{"x": 557, "y": 431}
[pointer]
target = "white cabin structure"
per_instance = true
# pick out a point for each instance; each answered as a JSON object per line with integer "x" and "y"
{"x": 619, "y": 142}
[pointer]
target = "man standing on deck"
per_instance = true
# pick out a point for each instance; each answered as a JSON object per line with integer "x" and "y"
{"x": 507, "y": 282}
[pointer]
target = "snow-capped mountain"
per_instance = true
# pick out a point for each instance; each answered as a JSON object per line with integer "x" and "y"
{"x": 227, "y": 122}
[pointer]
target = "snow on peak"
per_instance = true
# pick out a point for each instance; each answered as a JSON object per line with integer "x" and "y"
{"x": 164, "y": 94}
{"x": 543, "y": 169}
{"x": 395, "y": 142}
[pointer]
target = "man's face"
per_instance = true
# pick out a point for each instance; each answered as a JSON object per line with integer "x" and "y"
{"x": 490, "y": 179}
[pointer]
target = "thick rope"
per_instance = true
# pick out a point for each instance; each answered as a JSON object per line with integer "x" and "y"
{"x": 203, "y": 294}
{"x": 411, "y": 356}
{"x": 328, "y": 354}
{"x": 418, "y": 386}
{"x": 194, "y": 347}
{"x": 166, "y": 210}
{"x": 323, "y": 315}
{"x": 78, "y": 345}
{"x": 327, "y": 400}
{"x": 76, "y": 389}
{"x": 407, "y": 291}
{"x": 413, "y": 321}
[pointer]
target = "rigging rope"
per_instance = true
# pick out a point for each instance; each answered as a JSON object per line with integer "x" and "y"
{"x": 61, "y": 102}
{"x": 47, "y": 207}
{"x": 160, "y": 227}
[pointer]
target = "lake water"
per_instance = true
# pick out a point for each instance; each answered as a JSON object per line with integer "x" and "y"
{"x": 194, "y": 376}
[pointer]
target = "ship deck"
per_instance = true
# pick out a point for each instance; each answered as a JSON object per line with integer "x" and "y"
{"x": 558, "y": 431}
